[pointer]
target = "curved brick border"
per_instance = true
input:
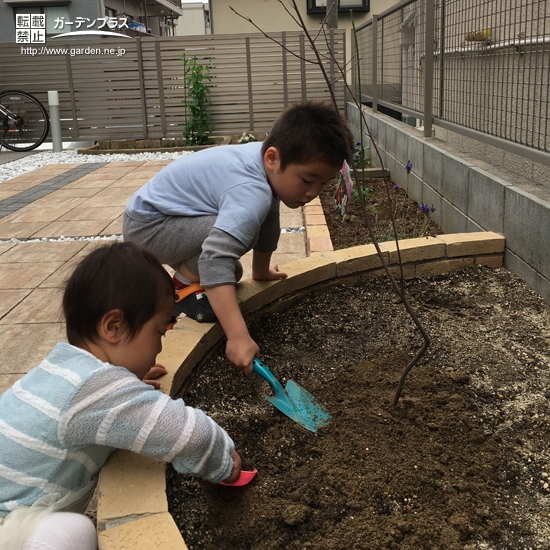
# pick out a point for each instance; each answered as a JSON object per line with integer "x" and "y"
{"x": 132, "y": 505}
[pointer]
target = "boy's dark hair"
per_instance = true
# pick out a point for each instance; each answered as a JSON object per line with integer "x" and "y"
{"x": 123, "y": 276}
{"x": 310, "y": 131}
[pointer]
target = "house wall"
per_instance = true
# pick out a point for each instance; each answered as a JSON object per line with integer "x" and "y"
{"x": 192, "y": 22}
{"x": 469, "y": 194}
{"x": 270, "y": 15}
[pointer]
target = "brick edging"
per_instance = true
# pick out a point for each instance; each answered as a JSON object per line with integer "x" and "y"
{"x": 132, "y": 504}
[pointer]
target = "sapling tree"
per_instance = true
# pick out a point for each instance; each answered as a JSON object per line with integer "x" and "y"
{"x": 359, "y": 177}
{"x": 196, "y": 101}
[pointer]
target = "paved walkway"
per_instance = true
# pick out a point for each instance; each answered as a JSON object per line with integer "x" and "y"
{"x": 83, "y": 201}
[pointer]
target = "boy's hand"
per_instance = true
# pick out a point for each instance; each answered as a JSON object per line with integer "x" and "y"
{"x": 154, "y": 372}
{"x": 241, "y": 352}
{"x": 271, "y": 274}
{"x": 240, "y": 349}
{"x": 236, "y": 470}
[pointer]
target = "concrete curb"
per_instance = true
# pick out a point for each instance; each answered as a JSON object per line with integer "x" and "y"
{"x": 132, "y": 503}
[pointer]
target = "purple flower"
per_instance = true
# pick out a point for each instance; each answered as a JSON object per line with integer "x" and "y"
{"x": 432, "y": 208}
{"x": 396, "y": 188}
{"x": 408, "y": 167}
{"x": 424, "y": 208}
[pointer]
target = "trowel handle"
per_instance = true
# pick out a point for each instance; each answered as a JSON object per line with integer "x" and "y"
{"x": 259, "y": 368}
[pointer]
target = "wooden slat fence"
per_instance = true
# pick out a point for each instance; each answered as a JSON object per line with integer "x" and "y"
{"x": 139, "y": 94}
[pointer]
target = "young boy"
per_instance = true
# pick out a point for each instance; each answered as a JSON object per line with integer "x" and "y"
{"x": 203, "y": 212}
{"x": 63, "y": 419}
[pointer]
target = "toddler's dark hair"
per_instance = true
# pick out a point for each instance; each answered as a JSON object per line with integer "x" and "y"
{"x": 310, "y": 131}
{"x": 122, "y": 276}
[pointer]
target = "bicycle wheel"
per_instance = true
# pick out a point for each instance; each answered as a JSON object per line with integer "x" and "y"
{"x": 24, "y": 122}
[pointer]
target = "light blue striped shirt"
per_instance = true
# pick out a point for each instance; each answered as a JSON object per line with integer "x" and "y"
{"x": 62, "y": 420}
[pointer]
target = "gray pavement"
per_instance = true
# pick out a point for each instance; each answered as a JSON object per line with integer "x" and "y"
{"x": 9, "y": 156}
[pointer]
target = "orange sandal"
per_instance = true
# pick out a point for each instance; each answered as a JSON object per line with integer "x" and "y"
{"x": 192, "y": 301}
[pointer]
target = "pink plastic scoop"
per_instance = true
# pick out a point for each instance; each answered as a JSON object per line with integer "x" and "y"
{"x": 244, "y": 479}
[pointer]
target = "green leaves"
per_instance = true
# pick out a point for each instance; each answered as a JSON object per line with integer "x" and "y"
{"x": 196, "y": 101}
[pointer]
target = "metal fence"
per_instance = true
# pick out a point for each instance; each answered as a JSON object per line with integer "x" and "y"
{"x": 477, "y": 67}
{"x": 109, "y": 95}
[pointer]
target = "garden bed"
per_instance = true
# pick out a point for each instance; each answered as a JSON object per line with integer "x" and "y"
{"x": 134, "y": 146}
{"x": 461, "y": 463}
{"x": 381, "y": 201}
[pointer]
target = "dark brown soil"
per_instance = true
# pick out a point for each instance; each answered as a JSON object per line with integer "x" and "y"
{"x": 462, "y": 462}
{"x": 381, "y": 201}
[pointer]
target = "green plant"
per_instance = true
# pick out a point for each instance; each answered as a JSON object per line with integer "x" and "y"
{"x": 366, "y": 191}
{"x": 196, "y": 101}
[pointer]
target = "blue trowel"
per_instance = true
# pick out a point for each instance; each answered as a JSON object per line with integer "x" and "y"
{"x": 294, "y": 401}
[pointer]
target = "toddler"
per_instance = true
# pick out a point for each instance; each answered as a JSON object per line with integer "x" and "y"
{"x": 62, "y": 420}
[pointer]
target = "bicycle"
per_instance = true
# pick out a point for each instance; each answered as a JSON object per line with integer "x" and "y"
{"x": 24, "y": 122}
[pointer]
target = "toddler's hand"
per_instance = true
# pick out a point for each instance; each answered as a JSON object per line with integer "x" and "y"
{"x": 273, "y": 274}
{"x": 154, "y": 372}
{"x": 236, "y": 470}
{"x": 241, "y": 353}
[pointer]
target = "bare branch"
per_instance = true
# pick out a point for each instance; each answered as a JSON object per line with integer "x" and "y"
{"x": 289, "y": 12}
{"x": 271, "y": 38}
{"x": 399, "y": 290}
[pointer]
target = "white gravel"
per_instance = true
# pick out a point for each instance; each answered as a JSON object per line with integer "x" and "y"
{"x": 37, "y": 160}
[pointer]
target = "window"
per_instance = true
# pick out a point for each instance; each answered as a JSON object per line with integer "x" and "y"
{"x": 344, "y": 6}
{"x": 51, "y": 13}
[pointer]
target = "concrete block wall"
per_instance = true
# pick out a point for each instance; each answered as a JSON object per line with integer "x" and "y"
{"x": 469, "y": 194}
{"x": 132, "y": 504}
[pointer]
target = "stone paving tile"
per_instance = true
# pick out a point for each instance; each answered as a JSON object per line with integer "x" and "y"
{"x": 82, "y": 213}
{"x": 115, "y": 170}
{"x": 53, "y": 169}
{"x": 74, "y": 228}
{"x": 13, "y": 275}
{"x": 157, "y": 162}
{"x": 58, "y": 277}
{"x": 41, "y": 251}
{"x": 146, "y": 173}
{"x": 293, "y": 243}
{"x": 19, "y": 230}
{"x": 129, "y": 181}
{"x": 84, "y": 192}
{"x": 90, "y": 182}
{"x": 133, "y": 163}
{"x": 27, "y": 344}
{"x": 114, "y": 228}
{"x": 291, "y": 217}
{"x": 42, "y": 305}
{"x": 10, "y": 298}
{"x": 113, "y": 196}
{"x": 46, "y": 211}
{"x": 4, "y": 247}
{"x": 23, "y": 185}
